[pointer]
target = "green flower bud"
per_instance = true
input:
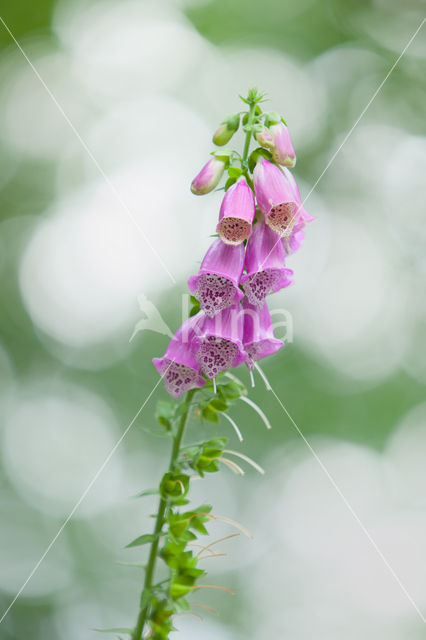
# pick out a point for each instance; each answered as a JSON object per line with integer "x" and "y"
{"x": 272, "y": 117}
{"x": 226, "y": 130}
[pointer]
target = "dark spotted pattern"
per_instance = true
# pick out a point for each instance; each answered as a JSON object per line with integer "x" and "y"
{"x": 214, "y": 293}
{"x": 253, "y": 351}
{"x": 260, "y": 285}
{"x": 282, "y": 217}
{"x": 178, "y": 378}
{"x": 234, "y": 230}
{"x": 216, "y": 355}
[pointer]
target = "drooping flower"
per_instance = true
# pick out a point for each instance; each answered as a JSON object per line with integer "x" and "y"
{"x": 216, "y": 284}
{"x": 282, "y": 149}
{"x": 258, "y": 337}
{"x": 219, "y": 345}
{"x": 236, "y": 213}
{"x": 276, "y": 197}
{"x": 209, "y": 176}
{"x": 178, "y": 366}
{"x": 264, "y": 265}
{"x": 226, "y": 130}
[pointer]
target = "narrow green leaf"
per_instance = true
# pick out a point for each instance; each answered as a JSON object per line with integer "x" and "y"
{"x": 147, "y": 538}
{"x": 116, "y": 630}
{"x": 148, "y": 492}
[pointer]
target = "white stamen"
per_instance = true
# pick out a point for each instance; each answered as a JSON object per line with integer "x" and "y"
{"x": 264, "y": 378}
{"x": 236, "y": 429}
{"x": 247, "y": 459}
{"x": 252, "y": 378}
{"x": 258, "y": 410}
{"x": 232, "y": 465}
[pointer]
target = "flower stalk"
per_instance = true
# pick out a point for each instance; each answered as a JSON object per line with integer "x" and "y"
{"x": 159, "y": 523}
{"x": 261, "y": 222}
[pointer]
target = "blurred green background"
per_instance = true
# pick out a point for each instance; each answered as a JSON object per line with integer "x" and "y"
{"x": 142, "y": 85}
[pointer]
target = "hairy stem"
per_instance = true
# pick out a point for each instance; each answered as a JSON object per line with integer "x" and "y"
{"x": 249, "y": 132}
{"x": 159, "y": 523}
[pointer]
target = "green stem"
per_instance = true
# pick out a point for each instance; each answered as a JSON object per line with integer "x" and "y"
{"x": 249, "y": 132}
{"x": 159, "y": 523}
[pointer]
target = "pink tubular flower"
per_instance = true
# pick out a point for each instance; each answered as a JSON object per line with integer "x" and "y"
{"x": 265, "y": 265}
{"x": 216, "y": 285}
{"x": 179, "y": 368}
{"x": 276, "y": 197}
{"x": 219, "y": 344}
{"x": 282, "y": 151}
{"x": 236, "y": 213}
{"x": 209, "y": 177}
{"x": 258, "y": 336}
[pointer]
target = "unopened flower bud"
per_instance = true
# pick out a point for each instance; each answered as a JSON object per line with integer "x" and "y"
{"x": 282, "y": 152}
{"x": 209, "y": 176}
{"x": 226, "y": 130}
{"x": 265, "y": 138}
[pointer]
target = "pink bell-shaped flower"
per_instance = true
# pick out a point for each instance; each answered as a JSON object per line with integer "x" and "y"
{"x": 219, "y": 343}
{"x": 236, "y": 213}
{"x": 258, "y": 336}
{"x": 209, "y": 176}
{"x": 278, "y": 197}
{"x": 178, "y": 366}
{"x": 282, "y": 149}
{"x": 264, "y": 265}
{"x": 216, "y": 284}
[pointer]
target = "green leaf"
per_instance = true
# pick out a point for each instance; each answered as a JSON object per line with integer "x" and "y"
{"x": 116, "y": 630}
{"x": 148, "y": 492}
{"x": 195, "y": 307}
{"x": 164, "y": 414}
{"x": 147, "y": 538}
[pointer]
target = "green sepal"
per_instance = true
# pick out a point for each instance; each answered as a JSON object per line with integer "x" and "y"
{"x": 219, "y": 404}
{"x": 210, "y": 414}
{"x": 256, "y": 154}
{"x": 231, "y": 390}
{"x": 235, "y": 172}
{"x": 272, "y": 117}
{"x": 174, "y": 487}
{"x": 229, "y": 183}
{"x": 178, "y": 590}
